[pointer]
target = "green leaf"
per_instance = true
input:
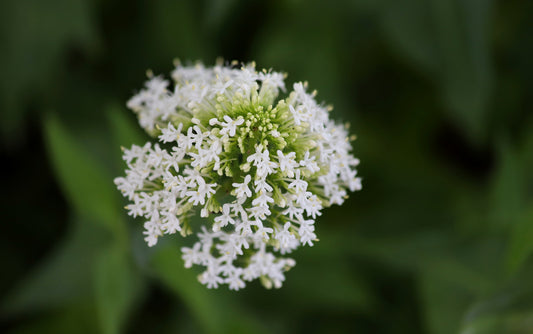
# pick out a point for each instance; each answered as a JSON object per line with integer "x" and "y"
{"x": 508, "y": 310}
{"x": 346, "y": 290}
{"x": 509, "y": 199}
{"x": 521, "y": 241}
{"x": 117, "y": 288}
{"x": 408, "y": 28}
{"x": 125, "y": 130}
{"x": 168, "y": 26}
{"x": 202, "y": 303}
{"x": 508, "y": 193}
{"x": 508, "y": 324}
{"x": 407, "y": 252}
{"x": 327, "y": 265}
{"x": 217, "y": 11}
{"x": 521, "y": 237}
{"x": 85, "y": 183}
{"x": 443, "y": 303}
{"x": 62, "y": 278}
{"x": 449, "y": 284}
{"x": 35, "y": 36}
{"x": 214, "y": 310}
{"x": 450, "y": 41}
{"x": 79, "y": 318}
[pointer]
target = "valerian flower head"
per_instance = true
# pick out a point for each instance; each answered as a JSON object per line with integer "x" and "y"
{"x": 246, "y": 171}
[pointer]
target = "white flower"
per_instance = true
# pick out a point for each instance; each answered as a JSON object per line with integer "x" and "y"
{"x": 224, "y": 219}
{"x": 309, "y": 163}
{"x": 234, "y": 279}
{"x": 306, "y": 232}
{"x": 211, "y": 277}
{"x": 297, "y": 183}
{"x": 262, "y": 232}
{"x": 259, "y": 156}
{"x": 261, "y": 159}
{"x": 229, "y": 126}
{"x": 241, "y": 189}
{"x": 287, "y": 162}
{"x": 171, "y": 223}
{"x": 199, "y": 195}
{"x": 263, "y": 199}
{"x": 170, "y": 133}
{"x": 220, "y": 128}
{"x": 262, "y": 185}
{"x": 191, "y": 255}
{"x": 287, "y": 239}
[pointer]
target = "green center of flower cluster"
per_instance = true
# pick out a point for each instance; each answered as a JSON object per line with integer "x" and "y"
{"x": 263, "y": 124}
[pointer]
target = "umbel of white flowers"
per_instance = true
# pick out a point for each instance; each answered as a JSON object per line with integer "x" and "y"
{"x": 245, "y": 171}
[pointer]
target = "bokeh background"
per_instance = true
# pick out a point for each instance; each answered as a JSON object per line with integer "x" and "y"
{"x": 439, "y": 93}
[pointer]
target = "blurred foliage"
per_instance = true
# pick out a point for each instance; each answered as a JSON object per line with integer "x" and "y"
{"x": 438, "y": 92}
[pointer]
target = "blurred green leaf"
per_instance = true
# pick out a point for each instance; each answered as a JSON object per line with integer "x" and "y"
{"x": 79, "y": 318}
{"x": 125, "y": 133}
{"x": 509, "y": 310}
{"x": 117, "y": 287}
{"x": 170, "y": 35}
{"x": 443, "y": 303}
{"x": 35, "y": 36}
{"x": 508, "y": 193}
{"x": 510, "y": 203}
{"x": 449, "y": 40}
{"x": 447, "y": 288}
{"x": 312, "y": 32}
{"x": 408, "y": 28}
{"x": 451, "y": 274}
{"x": 515, "y": 189}
{"x": 215, "y": 311}
{"x": 216, "y": 12}
{"x": 82, "y": 178}
{"x": 202, "y": 303}
{"x": 407, "y": 252}
{"x": 327, "y": 283}
{"x": 521, "y": 241}
{"x": 125, "y": 130}
{"x": 62, "y": 278}
{"x": 324, "y": 278}
{"x": 508, "y": 324}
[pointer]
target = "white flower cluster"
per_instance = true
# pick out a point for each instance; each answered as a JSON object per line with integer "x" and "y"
{"x": 245, "y": 171}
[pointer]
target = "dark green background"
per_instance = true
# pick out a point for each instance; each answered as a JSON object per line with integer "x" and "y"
{"x": 439, "y": 93}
